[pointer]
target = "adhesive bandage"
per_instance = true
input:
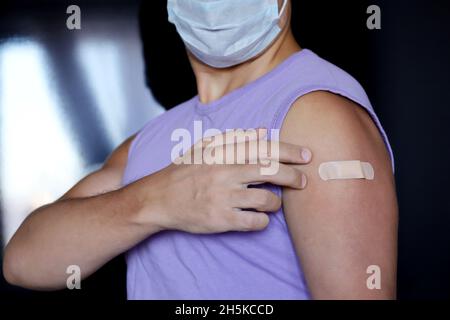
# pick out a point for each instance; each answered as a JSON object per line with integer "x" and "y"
{"x": 342, "y": 170}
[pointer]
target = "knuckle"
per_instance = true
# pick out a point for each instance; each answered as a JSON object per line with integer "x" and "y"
{"x": 218, "y": 222}
{"x": 216, "y": 218}
{"x": 298, "y": 177}
{"x": 272, "y": 201}
{"x": 233, "y": 221}
{"x": 266, "y": 198}
{"x": 260, "y": 199}
{"x": 234, "y": 197}
{"x": 276, "y": 205}
{"x": 249, "y": 222}
{"x": 257, "y": 221}
{"x": 293, "y": 176}
{"x": 293, "y": 152}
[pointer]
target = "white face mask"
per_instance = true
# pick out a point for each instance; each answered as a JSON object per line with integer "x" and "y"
{"x": 224, "y": 33}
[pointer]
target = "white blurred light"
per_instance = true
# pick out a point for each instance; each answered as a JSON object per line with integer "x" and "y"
{"x": 100, "y": 61}
{"x": 38, "y": 158}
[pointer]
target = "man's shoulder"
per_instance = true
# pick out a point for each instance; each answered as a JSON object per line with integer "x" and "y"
{"x": 333, "y": 125}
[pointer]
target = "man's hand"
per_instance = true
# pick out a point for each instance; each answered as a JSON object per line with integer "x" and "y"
{"x": 98, "y": 219}
{"x": 210, "y": 198}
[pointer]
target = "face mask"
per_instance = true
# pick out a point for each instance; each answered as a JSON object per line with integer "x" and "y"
{"x": 224, "y": 33}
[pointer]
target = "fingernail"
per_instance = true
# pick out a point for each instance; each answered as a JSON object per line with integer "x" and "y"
{"x": 304, "y": 180}
{"x": 306, "y": 155}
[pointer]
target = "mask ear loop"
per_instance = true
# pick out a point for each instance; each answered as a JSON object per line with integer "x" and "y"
{"x": 283, "y": 8}
{"x": 280, "y": 16}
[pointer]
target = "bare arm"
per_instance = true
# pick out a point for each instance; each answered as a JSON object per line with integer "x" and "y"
{"x": 341, "y": 227}
{"x": 97, "y": 219}
{"x": 88, "y": 226}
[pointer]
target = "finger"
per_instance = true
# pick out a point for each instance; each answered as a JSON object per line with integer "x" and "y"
{"x": 281, "y": 152}
{"x": 277, "y": 173}
{"x": 221, "y": 139}
{"x": 245, "y": 152}
{"x": 287, "y": 152}
{"x": 241, "y": 220}
{"x": 259, "y": 151}
{"x": 220, "y": 149}
{"x": 235, "y": 136}
{"x": 257, "y": 199}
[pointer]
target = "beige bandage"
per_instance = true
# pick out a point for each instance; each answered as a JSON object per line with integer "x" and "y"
{"x": 339, "y": 170}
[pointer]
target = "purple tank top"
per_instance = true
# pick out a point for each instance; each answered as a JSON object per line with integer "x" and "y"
{"x": 233, "y": 265}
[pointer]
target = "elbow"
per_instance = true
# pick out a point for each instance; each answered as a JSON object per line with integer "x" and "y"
{"x": 18, "y": 272}
{"x": 15, "y": 269}
{"x": 11, "y": 268}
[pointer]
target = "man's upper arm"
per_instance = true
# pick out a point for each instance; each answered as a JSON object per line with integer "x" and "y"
{"x": 341, "y": 227}
{"x": 106, "y": 179}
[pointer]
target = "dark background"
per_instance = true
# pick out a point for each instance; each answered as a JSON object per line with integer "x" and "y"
{"x": 404, "y": 67}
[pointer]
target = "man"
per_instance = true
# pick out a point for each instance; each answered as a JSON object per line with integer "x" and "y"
{"x": 182, "y": 224}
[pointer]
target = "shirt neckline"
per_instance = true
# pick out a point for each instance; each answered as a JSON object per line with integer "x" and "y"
{"x": 206, "y": 108}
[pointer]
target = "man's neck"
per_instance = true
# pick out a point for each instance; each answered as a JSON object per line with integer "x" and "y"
{"x": 213, "y": 83}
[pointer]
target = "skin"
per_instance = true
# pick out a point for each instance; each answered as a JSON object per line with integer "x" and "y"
{"x": 339, "y": 228}
{"x": 98, "y": 219}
